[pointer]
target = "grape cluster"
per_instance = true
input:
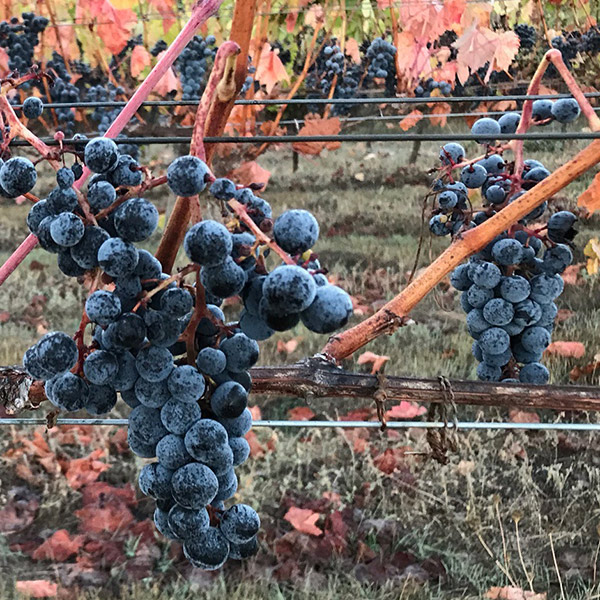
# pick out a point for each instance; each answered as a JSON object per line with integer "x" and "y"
{"x": 193, "y": 65}
{"x": 63, "y": 90}
{"x": 104, "y": 116}
{"x": 19, "y": 39}
{"x": 166, "y": 347}
{"x": 527, "y": 36}
{"x": 424, "y": 89}
{"x": 509, "y": 288}
{"x": 381, "y": 63}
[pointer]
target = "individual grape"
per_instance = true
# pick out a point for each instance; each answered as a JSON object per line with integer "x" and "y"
{"x": 256, "y": 328}
{"x": 509, "y": 122}
{"x": 101, "y": 399}
{"x": 534, "y": 373}
{"x": 56, "y": 352}
{"x": 493, "y": 164}
{"x": 17, "y": 176}
{"x": 229, "y": 400}
{"x": 204, "y": 436}
{"x": 161, "y": 329}
{"x": 103, "y": 307}
{"x": 67, "y": 265}
{"x": 549, "y": 312}
{"x": 478, "y": 297}
{"x": 32, "y": 107}
{"x": 161, "y": 522}
{"x": 535, "y": 339}
{"x": 557, "y": 259}
{"x": 497, "y": 360}
{"x": 240, "y": 523}
{"x": 525, "y": 356}
{"x": 240, "y": 351}
{"x": 560, "y": 226}
{"x": 239, "y": 426}
{"x": 545, "y": 288}
{"x": 207, "y": 326}
{"x": 565, "y": 110}
{"x": 530, "y": 178}
{"x": 117, "y": 257}
{"x": 495, "y": 194}
{"x": 128, "y": 331}
{"x": 447, "y": 200}
{"x": 31, "y": 364}
{"x": 65, "y": 178}
{"x": 194, "y": 486}
{"x": 460, "y": 189}
{"x": 171, "y": 452}
{"x": 228, "y": 485}
{"x": 67, "y": 229}
{"x": 186, "y": 523}
{"x": 38, "y": 212}
{"x": 154, "y": 363}
{"x": 208, "y": 243}
{"x": 146, "y": 426}
{"x": 186, "y": 384}
{"x": 101, "y": 155}
{"x": 498, "y": 312}
{"x": 452, "y": 153}
{"x": 494, "y": 341}
{"x": 289, "y": 289}
{"x": 128, "y": 289}
{"x": 207, "y": 550}
{"x": 242, "y": 248}
{"x": 138, "y": 447}
{"x": 296, "y": 231}
{"x": 464, "y": 302}
{"x": 527, "y": 313}
{"x": 61, "y": 200}
{"x": 136, "y": 219}
{"x": 85, "y": 252}
{"x": 487, "y": 127}
{"x": 100, "y": 367}
{"x": 223, "y": 189}
{"x": 148, "y": 266}
{"x": 152, "y": 394}
{"x": 77, "y": 170}
{"x": 507, "y": 251}
{"x": 243, "y": 551}
{"x": 224, "y": 280}
{"x": 240, "y": 449}
{"x": 101, "y": 195}
{"x": 515, "y": 288}
{"x": 541, "y": 110}
{"x": 178, "y": 416}
{"x": 211, "y": 361}
{"x": 127, "y": 172}
{"x": 155, "y": 481}
{"x": 330, "y": 310}
{"x": 484, "y": 274}
{"x": 176, "y": 302}
{"x": 186, "y": 176}
{"x": 473, "y": 176}
{"x": 460, "y": 278}
{"x": 487, "y": 372}
{"x": 438, "y": 225}
{"x": 69, "y": 392}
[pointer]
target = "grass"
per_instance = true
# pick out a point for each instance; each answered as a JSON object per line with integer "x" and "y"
{"x": 463, "y": 513}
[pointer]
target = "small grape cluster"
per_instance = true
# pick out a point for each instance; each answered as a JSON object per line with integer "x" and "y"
{"x": 165, "y": 346}
{"x": 425, "y": 88}
{"x": 527, "y": 36}
{"x": 63, "y": 91}
{"x": 193, "y": 65}
{"x": 509, "y": 288}
{"x": 19, "y": 39}
{"x": 381, "y": 62}
{"x": 104, "y": 116}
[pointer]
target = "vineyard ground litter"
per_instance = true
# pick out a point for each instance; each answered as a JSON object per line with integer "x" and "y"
{"x": 429, "y": 520}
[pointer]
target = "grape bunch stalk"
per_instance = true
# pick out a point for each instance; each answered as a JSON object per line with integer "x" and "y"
{"x": 163, "y": 343}
{"x": 509, "y": 288}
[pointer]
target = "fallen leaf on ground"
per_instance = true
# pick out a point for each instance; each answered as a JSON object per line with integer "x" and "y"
{"x": 566, "y": 349}
{"x": 303, "y": 520}
{"x": 512, "y": 593}
{"x": 405, "y": 410}
{"x": 301, "y": 413}
{"x": 59, "y": 546}
{"x": 37, "y": 588}
{"x": 287, "y": 347}
{"x": 85, "y": 470}
{"x": 522, "y": 416}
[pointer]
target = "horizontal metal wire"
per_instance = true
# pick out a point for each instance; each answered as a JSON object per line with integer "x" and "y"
{"x": 366, "y": 137}
{"x": 464, "y": 425}
{"x": 320, "y": 101}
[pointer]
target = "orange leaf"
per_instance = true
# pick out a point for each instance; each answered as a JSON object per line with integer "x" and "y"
{"x": 476, "y": 47}
{"x": 566, "y": 349}
{"x": 442, "y": 109}
{"x": 37, "y": 588}
{"x": 140, "y": 59}
{"x": 111, "y": 518}
{"x": 387, "y": 462}
{"x": 590, "y": 199}
{"x": 376, "y": 360}
{"x": 411, "y": 119}
{"x": 303, "y": 520}
{"x": 507, "y": 47}
{"x": 3, "y": 62}
{"x": 512, "y": 593}
{"x": 290, "y": 21}
{"x": 270, "y": 69}
{"x": 405, "y": 410}
{"x": 571, "y": 274}
{"x": 352, "y": 50}
{"x": 422, "y": 19}
{"x": 413, "y": 57}
{"x": 522, "y": 416}
{"x": 167, "y": 83}
{"x": 316, "y": 125}
{"x": 167, "y": 10}
{"x": 314, "y": 16}
{"x": 114, "y": 26}
{"x": 58, "y": 547}
{"x": 85, "y": 470}
{"x": 250, "y": 172}
{"x": 301, "y": 413}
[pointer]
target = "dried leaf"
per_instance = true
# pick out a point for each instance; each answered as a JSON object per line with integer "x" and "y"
{"x": 405, "y": 410}
{"x": 522, "y": 416}
{"x": 37, "y": 588}
{"x": 512, "y": 593}
{"x": 442, "y": 109}
{"x": 590, "y": 199}
{"x": 566, "y": 349}
{"x": 388, "y": 461}
{"x": 59, "y": 546}
{"x": 352, "y": 50}
{"x": 270, "y": 69}
{"x": 85, "y": 470}
{"x": 287, "y": 347}
{"x": 377, "y": 361}
{"x": 507, "y": 47}
{"x": 411, "y": 119}
{"x": 140, "y": 60}
{"x": 250, "y": 172}
{"x": 303, "y": 520}
{"x": 314, "y": 16}
{"x": 301, "y": 413}
{"x": 422, "y": 19}
{"x": 168, "y": 82}
{"x": 317, "y": 125}
{"x": 110, "y": 518}
{"x": 476, "y": 47}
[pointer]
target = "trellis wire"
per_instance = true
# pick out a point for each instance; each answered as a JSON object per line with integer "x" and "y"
{"x": 458, "y": 425}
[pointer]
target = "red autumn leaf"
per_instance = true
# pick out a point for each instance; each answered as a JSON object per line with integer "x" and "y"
{"x": 37, "y": 588}
{"x": 411, "y": 119}
{"x": 422, "y": 19}
{"x": 100, "y": 491}
{"x": 377, "y": 361}
{"x": 4, "y": 316}
{"x": 85, "y": 470}
{"x": 317, "y": 125}
{"x": 387, "y": 462}
{"x": 590, "y": 199}
{"x": 522, "y": 416}
{"x": 303, "y": 520}
{"x": 352, "y": 50}
{"x": 114, "y": 26}
{"x": 140, "y": 60}
{"x": 359, "y": 438}
{"x": 270, "y": 69}
{"x": 566, "y": 349}
{"x": 290, "y": 21}
{"x": 405, "y": 410}
{"x": 110, "y": 518}
{"x": 167, "y": 10}
{"x": 59, "y": 546}
{"x": 301, "y": 413}
{"x": 250, "y": 172}
{"x": 167, "y": 83}
{"x": 256, "y": 448}
{"x": 413, "y": 57}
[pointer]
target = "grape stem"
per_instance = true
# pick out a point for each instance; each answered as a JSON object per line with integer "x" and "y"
{"x": 200, "y": 311}
{"x": 265, "y": 240}
{"x": 165, "y": 283}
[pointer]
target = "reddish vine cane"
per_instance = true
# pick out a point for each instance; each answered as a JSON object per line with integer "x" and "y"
{"x": 391, "y": 316}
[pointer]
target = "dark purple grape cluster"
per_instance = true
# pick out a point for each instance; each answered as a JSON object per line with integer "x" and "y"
{"x": 425, "y": 88}
{"x": 381, "y": 57}
{"x": 527, "y": 36}
{"x": 510, "y": 286}
{"x": 19, "y": 38}
{"x": 193, "y": 65}
{"x": 104, "y": 116}
{"x": 186, "y": 381}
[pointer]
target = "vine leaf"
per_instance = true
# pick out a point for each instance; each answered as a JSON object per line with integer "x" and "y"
{"x": 507, "y": 47}
{"x": 168, "y": 82}
{"x": 476, "y": 47}
{"x": 140, "y": 60}
{"x": 270, "y": 69}
{"x": 114, "y": 25}
{"x": 303, "y": 520}
{"x": 166, "y": 9}
{"x": 411, "y": 119}
{"x": 250, "y": 172}
{"x": 352, "y": 50}
{"x": 590, "y": 199}
{"x": 317, "y": 125}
